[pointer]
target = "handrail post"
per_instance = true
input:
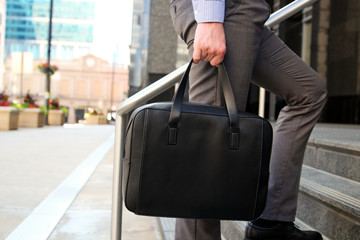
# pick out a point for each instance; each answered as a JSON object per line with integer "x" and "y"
{"x": 262, "y": 93}
{"x": 116, "y": 223}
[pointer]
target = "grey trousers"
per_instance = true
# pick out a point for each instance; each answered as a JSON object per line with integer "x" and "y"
{"x": 255, "y": 54}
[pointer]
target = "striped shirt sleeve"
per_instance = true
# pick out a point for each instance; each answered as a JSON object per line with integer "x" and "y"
{"x": 209, "y": 10}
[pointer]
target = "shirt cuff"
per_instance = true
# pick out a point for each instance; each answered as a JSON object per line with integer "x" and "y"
{"x": 209, "y": 10}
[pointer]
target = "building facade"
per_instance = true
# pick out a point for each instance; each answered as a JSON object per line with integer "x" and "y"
{"x": 84, "y": 82}
{"x": 27, "y": 25}
{"x": 155, "y": 47}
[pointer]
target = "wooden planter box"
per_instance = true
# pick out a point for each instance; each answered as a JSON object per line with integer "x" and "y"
{"x": 31, "y": 117}
{"x": 9, "y": 118}
{"x": 56, "y": 117}
{"x": 95, "y": 119}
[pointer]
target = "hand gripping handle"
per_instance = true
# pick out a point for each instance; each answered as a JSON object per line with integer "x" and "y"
{"x": 229, "y": 100}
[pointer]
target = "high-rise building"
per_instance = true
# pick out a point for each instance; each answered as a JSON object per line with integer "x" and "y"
{"x": 27, "y": 25}
{"x": 2, "y": 38}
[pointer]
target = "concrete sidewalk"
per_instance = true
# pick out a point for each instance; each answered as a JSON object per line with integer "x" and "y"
{"x": 34, "y": 162}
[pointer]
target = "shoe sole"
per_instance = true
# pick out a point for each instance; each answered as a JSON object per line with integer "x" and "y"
{"x": 245, "y": 238}
{"x": 262, "y": 239}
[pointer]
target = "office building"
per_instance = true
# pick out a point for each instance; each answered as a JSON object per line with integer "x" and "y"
{"x": 27, "y": 25}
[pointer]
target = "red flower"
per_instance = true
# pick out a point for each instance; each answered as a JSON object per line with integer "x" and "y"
{"x": 45, "y": 68}
{"x": 4, "y": 104}
{"x": 33, "y": 106}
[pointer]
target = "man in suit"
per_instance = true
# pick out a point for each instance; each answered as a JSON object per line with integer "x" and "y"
{"x": 233, "y": 32}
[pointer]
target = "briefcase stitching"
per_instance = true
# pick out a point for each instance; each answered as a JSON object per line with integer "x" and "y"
{"x": 129, "y": 137}
{"x": 138, "y": 201}
{"x": 259, "y": 173}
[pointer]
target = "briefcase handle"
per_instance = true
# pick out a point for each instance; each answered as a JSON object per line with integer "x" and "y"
{"x": 229, "y": 101}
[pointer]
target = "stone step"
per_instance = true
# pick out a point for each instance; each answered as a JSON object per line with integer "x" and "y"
{"x": 335, "y": 148}
{"x": 330, "y": 204}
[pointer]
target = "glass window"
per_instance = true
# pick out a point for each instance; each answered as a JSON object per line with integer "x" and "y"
{"x": 67, "y": 52}
{"x": 16, "y": 47}
{"x": 35, "y": 49}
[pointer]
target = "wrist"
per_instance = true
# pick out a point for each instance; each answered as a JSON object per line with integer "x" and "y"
{"x": 210, "y": 23}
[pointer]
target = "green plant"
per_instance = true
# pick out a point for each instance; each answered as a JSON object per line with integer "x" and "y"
{"x": 45, "y": 68}
{"x": 93, "y": 112}
{"x": 54, "y": 105}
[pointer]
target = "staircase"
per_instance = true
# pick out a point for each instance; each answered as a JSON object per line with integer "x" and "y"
{"x": 329, "y": 197}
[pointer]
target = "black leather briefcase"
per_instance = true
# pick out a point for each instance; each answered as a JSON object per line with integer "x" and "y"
{"x": 189, "y": 160}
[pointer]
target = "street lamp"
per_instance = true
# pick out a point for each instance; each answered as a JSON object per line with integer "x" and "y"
{"x": 48, "y": 74}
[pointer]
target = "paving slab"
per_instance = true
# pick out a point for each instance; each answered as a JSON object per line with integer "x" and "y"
{"x": 89, "y": 217}
{"x": 35, "y": 161}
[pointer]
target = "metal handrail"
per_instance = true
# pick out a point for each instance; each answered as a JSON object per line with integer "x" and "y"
{"x": 153, "y": 90}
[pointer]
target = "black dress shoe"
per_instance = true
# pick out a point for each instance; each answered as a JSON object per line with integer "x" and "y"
{"x": 281, "y": 231}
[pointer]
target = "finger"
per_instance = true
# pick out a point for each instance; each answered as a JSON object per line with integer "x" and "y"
{"x": 216, "y": 60}
{"x": 196, "y": 55}
{"x": 207, "y": 58}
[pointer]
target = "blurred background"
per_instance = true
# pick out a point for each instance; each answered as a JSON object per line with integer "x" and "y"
{"x": 89, "y": 54}
{"x": 104, "y": 51}
{"x": 64, "y": 62}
